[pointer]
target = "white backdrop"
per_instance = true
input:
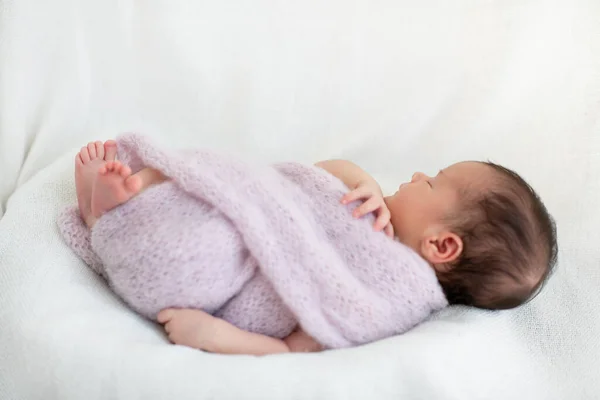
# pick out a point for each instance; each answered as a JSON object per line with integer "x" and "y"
{"x": 395, "y": 86}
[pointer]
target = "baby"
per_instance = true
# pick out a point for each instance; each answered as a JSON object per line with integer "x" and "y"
{"x": 482, "y": 229}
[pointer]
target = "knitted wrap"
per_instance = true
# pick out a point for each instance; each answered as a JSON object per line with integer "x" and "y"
{"x": 266, "y": 247}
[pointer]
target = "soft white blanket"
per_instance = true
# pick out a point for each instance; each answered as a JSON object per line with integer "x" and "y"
{"x": 396, "y": 86}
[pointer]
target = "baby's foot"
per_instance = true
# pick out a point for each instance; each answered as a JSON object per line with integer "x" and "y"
{"x": 87, "y": 162}
{"x": 114, "y": 185}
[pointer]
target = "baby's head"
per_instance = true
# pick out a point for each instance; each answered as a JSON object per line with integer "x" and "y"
{"x": 483, "y": 229}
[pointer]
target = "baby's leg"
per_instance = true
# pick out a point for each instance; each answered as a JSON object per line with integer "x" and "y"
{"x": 114, "y": 185}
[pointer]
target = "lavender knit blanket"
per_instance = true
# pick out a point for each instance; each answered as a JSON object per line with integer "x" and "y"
{"x": 265, "y": 247}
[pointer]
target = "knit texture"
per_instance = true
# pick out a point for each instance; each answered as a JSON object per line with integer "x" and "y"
{"x": 264, "y": 247}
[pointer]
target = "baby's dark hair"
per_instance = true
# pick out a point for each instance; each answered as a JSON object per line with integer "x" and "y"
{"x": 509, "y": 245}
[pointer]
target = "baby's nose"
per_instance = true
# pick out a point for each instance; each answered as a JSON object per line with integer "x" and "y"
{"x": 417, "y": 176}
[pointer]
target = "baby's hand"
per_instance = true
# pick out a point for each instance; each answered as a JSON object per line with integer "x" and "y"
{"x": 300, "y": 342}
{"x": 192, "y": 328}
{"x": 373, "y": 203}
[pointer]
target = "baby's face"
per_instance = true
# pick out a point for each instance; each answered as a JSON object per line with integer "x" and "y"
{"x": 420, "y": 206}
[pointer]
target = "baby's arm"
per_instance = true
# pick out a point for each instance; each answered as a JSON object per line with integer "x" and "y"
{"x": 232, "y": 340}
{"x": 239, "y": 341}
{"x": 362, "y": 186}
{"x": 197, "y": 329}
{"x": 349, "y": 173}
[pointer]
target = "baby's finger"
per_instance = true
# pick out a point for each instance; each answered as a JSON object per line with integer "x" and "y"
{"x": 358, "y": 193}
{"x": 382, "y": 220}
{"x": 164, "y": 316}
{"x": 389, "y": 230}
{"x": 368, "y": 206}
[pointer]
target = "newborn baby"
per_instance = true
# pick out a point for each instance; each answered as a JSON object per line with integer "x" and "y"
{"x": 480, "y": 227}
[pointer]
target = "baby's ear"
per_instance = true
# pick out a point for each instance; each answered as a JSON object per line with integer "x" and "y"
{"x": 442, "y": 248}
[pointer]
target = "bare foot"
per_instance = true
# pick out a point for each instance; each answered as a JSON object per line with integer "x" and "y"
{"x": 114, "y": 185}
{"x": 87, "y": 162}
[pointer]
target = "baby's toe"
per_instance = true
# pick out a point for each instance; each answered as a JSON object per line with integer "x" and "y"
{"x": 125, "y": 171}
{"x": 84, "y": 154}
{"x": 99, "y": 149}
{"x": 110, "y": 150}
{"x": 92, "y": 150}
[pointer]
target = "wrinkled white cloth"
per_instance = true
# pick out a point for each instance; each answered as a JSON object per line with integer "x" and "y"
{"x": 395, "y": 86}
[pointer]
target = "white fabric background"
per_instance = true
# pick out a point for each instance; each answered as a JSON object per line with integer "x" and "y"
{"x": 395, "y": 86}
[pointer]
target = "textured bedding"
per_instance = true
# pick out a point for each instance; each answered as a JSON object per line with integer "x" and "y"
{"x": 395, "y": 86}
